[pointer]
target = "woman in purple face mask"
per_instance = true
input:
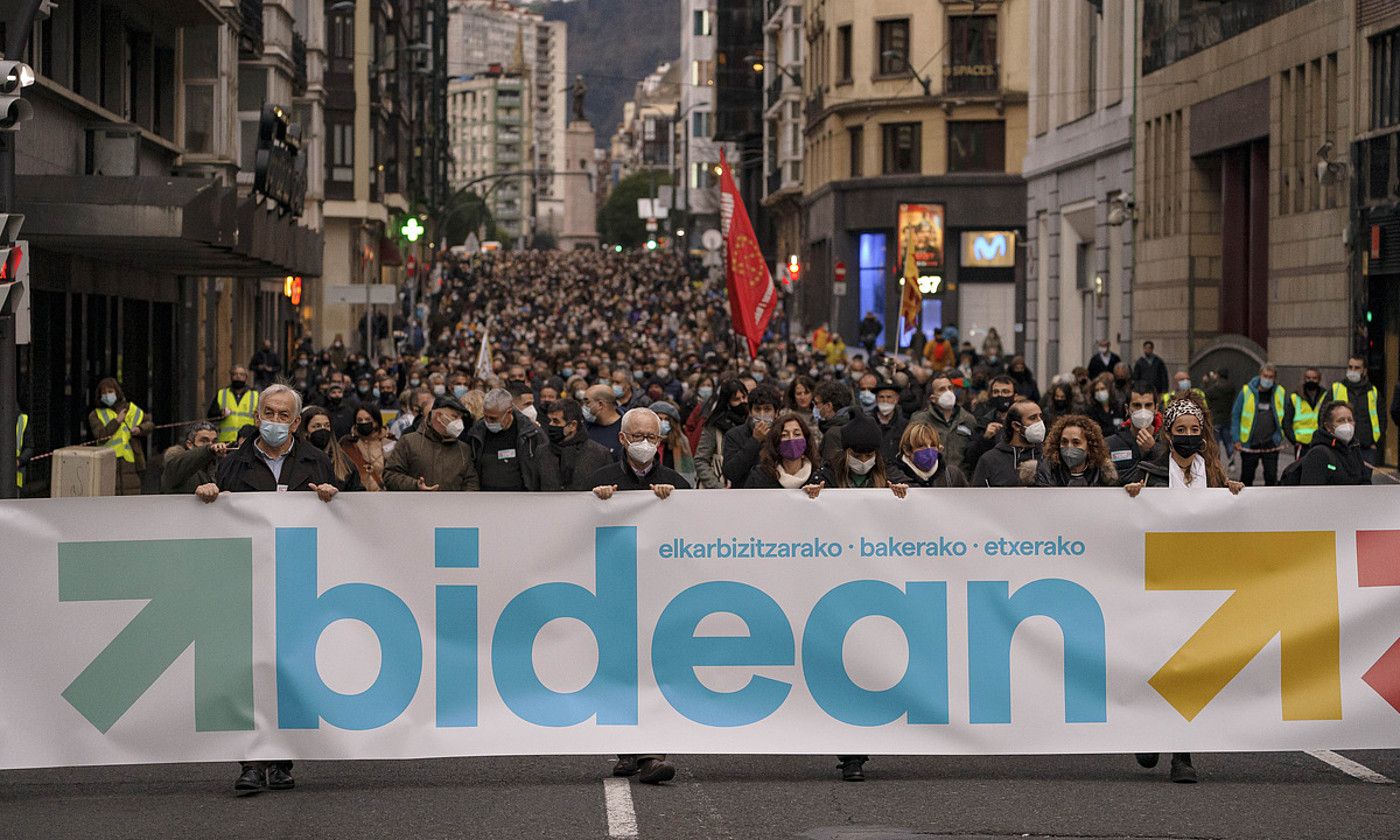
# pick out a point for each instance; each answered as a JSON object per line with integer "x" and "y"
{"x": 788, "y": 458}
{"x": 921, "y": 459}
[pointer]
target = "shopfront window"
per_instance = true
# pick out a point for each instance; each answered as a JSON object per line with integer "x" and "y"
{"x": 872, "y": 280}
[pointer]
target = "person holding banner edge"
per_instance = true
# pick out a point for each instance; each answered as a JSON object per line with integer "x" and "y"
{"x": 278, "y": 460}
{"x": 1191, "y": 463}
{"x": 640, "y": 469}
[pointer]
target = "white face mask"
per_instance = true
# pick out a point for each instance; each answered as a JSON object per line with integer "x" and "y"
{"x": 641, "y": 452}
{"x": 1143, "y": 417}
{"x": 1183, "y": 385}
{"x": 885, "y": 408}
{"x": 1101, "y": 396}
{"x": 1035, "y": 432}
{"x": 1344, "y": 432}
{"x": 947, "y": 400}
{"x": 531, "y": 412}
{"x": 454, "y": 429}
{"x": 858, "y": 466}
{"x": 1353, "y": 376}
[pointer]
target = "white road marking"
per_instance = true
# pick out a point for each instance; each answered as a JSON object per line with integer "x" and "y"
{"x": 617, "y": 797}
{"x": 1349, "y": 767}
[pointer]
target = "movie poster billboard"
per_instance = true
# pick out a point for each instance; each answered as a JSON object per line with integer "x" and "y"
{"x": 921, "y": 228}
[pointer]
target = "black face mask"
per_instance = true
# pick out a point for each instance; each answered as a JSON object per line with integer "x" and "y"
{"x": 364, "y": 429}
{"x": 556, "y": 434}
{"x": 238, "y": 384}
{"x": 333, "y": 400}
{"x": 1061, "y": 403}
{"x": 321, "y": 438}
{"x": 999, "y": 404}
{"x": 740, "y": 411}
{"x": 1187, "y": 445}
{"x": 1312, "y": 387}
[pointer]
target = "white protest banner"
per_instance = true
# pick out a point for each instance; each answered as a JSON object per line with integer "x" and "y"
{"x": 951, "y": 622}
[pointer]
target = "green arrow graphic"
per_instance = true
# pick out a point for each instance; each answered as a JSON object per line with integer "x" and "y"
{"x": 200, "y": 593}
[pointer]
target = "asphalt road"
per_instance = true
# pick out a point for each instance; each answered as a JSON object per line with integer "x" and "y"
{"x": 1256, "y": 795}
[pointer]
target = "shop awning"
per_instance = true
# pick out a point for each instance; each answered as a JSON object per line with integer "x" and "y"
{"x": 188, "y": 226}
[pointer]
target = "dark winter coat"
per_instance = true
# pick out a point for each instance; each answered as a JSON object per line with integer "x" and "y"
{"x": 1001, "y": 466}
{"x": 243, "y": 470}
{"x": 538, "y": 469}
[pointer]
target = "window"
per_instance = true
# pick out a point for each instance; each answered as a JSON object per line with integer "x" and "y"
{"x": 1385, "y": 79}
{"x": 902, "y": 143}
{"x": 843, "y": 53}
{"x": 202, "y": 85}
{"x": 702, "y": 73}
{"x": 872, "y": 276}
{"x": 703, "y": 23}
{"x": 857, "y": 136}
{"x": 342, "y": 35}
{"x": 893, "y": 40}
{"x": 977, "y": 146}
{"x": 972, "y": 54}
{"x": 700, "y": 124}
{"x": 342, "y": 152}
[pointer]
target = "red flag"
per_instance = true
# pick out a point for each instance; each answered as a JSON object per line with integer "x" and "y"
{"x": 752, "y": 295}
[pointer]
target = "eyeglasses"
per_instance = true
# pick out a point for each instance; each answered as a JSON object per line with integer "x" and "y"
{"x": 648, "y": 438}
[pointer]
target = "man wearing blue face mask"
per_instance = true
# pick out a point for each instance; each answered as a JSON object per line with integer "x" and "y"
{"x": 1257, "y": 425}
{"x": 510, "y": 451}
{"x": 274, "y": 461}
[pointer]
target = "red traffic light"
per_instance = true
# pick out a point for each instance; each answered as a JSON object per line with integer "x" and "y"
{"x": 10, "y": 263}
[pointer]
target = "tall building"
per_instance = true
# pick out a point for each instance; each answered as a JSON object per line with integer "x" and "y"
{"x": 1375, "y": 256}
{"x": 783, "y": 118}
{"x": 916, "y": 127}
{"x": 697, "y": 158}
{"x": 374, "y": 52}
{"x": 490, "y": 115}
{"x": 153, "y": 259}
{"x": 644, "y": 139}
{"x": 1241, "y": 247}
{"x": 1079, "y": 180}
{"x": 485, "y": 33}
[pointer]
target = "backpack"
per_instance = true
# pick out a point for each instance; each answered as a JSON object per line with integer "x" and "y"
{"x": 1292, "y": 475}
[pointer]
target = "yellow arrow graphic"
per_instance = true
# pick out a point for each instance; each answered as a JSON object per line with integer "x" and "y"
{"x": 1285, "y": 584}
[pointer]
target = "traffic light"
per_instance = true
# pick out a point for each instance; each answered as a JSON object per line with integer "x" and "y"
{"x": 15, "y": 76}
{"x": 794, "y": 266}
{"x": 14, "y": 274}
{"x": 651, "y": 244}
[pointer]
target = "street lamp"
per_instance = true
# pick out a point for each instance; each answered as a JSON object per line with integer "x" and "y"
{"x": 898, "y": 55}
{"x": 758, "y": 64}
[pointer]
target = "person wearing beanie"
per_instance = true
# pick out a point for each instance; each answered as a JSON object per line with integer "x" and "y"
{"x": 862, "y": 466}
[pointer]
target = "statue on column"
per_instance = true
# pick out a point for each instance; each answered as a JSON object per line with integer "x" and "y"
{"x": 580, "y": 89}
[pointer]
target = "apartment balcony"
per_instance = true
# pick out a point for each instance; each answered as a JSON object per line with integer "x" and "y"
{"x": 972, "y": 79}
{"x": 508, "y": 158}
{"x": 508, "y": 119}
{"x": 298, "y": 63}
{"x": 250, "y": 28}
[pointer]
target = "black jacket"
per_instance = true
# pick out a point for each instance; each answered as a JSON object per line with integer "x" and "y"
{"x": 537, "y": 468}
{"x": 622, "y": 475}
{"x": 759, "y": 479}
{"x": 1156, "y": 471}
{"x": 1125, "y": 454}
{"x": 891, "y": 433}
{"x": 185, "y": 470}
{"x": 1152, "y": 371}
{"x": 946, "y": 475}
{"x": 741, "y": 450}
{"x": 832, "y": 449}
{"x": 1057, "y": 475}
{"x": 1001, "y": 466}
{"x": 1097, "y": 366}
{"x": 1331, "y": 463}
{"x": 244, "y": 471}
{"x": 578, "y": 458}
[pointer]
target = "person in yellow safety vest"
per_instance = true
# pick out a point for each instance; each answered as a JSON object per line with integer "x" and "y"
{"x": 1257, "y": 420}
{"x": 1181, "y": 384}
{"x": 120, "y": 425}
{"x": 24, "y": 449}
{"x": 1300, "y": 421}
{"x": 235, "y": 406}
{"x": 1356, "y": 389}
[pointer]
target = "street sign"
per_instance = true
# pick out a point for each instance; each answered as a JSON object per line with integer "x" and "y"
{"x": 379, "y": 294}
{"x": 839, "y": 289}
{"x": 712, "y": 239}
{"x": 651, "y": 225}
{"x": 839, "y": 274}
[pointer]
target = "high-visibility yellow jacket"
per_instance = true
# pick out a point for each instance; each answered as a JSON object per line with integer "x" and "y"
{"x": 244, "y": 412}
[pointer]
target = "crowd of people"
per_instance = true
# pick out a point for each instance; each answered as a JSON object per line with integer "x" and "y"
{"x": 618, "y": 372}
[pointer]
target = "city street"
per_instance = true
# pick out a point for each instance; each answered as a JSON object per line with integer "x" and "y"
{"x": 1252, "y": 795}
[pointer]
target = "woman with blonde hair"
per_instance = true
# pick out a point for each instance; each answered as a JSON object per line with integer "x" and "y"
{"x": 921, "y": 459}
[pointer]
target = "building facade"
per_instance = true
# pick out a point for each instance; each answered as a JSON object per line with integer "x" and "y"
{"x": 915, "y": 132}
{"x": 1079, "y": 182}
{"x": 484, "y": 33}
{"x": 1241, "y": 242}
{"x": 490, "y": 116}
{"x": 151, "y": 259}
{"x": 644, "y": 139}
{"x": 697, "y": 159}
{"x": 783, "y": 119}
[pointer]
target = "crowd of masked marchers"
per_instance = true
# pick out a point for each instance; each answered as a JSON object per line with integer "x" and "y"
{"x": 611, "y": 372}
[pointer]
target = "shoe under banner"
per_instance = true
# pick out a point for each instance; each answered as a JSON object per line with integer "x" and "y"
{"x": 378, "y": 625}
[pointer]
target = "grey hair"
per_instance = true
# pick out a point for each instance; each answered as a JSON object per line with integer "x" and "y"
{"x": 280, "y": 388}
{"x": 499, "y": 399}
{"x": 628, "y": 419}
{"x": 196, "y": 428}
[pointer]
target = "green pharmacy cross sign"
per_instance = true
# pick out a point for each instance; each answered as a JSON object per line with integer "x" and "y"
{"x": 411, "y": 229}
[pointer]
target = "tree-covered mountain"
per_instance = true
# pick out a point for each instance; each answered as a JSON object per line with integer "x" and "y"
{"x": 615, "y": 44}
